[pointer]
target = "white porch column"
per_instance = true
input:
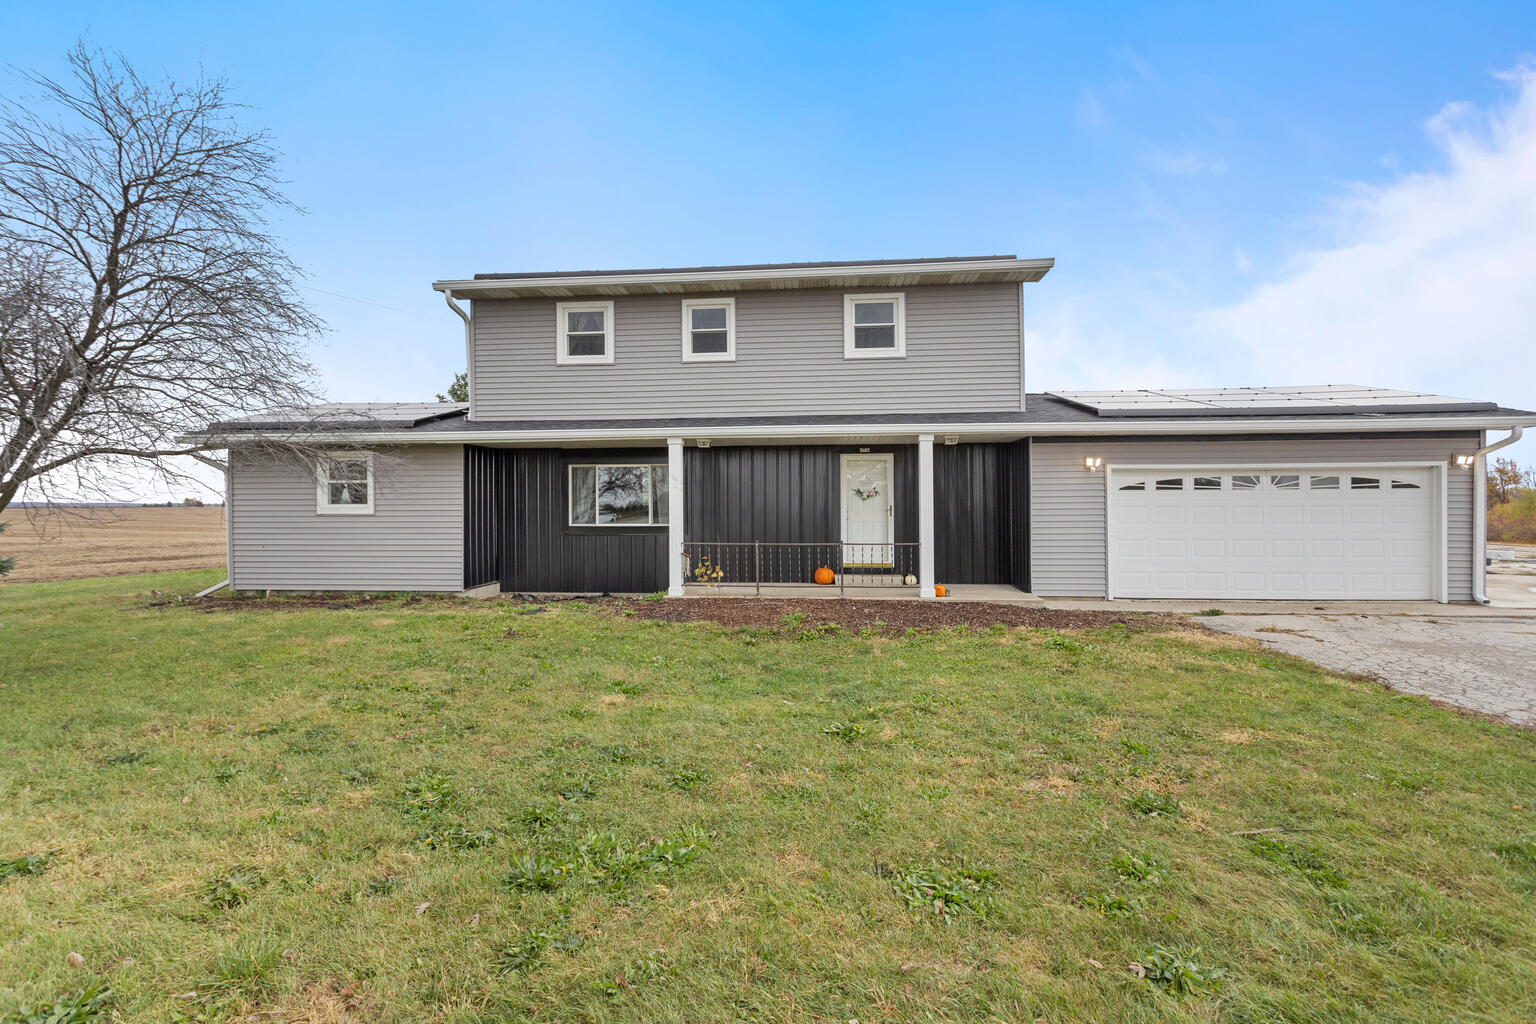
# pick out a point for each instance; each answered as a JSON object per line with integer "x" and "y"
{"x": 674, "y": 517}
{"x": 925, "y": 515}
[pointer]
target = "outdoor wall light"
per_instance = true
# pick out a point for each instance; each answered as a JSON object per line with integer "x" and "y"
{"x": 1464, "y": 461}
{"x": 703, "y": 442}
{"x": 1092, "y": 463}
{"x": 951, "y": 438}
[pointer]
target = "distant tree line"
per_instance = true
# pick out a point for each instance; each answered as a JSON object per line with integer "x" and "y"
{"x": 1511, "y": 503}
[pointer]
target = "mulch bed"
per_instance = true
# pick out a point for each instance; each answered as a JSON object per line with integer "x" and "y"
{"x": 893, "y": 616}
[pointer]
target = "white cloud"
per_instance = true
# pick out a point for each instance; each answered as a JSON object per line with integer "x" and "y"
{"x": 1090, "y": 113}
{"x": 1056, "y": 357}
{"x": 1186, "y": 163}
{"x": 1428, "y": 281}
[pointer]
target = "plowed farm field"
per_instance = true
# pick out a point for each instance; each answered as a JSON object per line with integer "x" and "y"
{"x": 68, "y": 544}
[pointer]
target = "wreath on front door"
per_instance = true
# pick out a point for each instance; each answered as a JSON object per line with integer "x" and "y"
{"x": 867, "y": 492}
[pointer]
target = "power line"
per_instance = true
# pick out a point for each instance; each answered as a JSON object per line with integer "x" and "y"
{"x": 367, "y": 302}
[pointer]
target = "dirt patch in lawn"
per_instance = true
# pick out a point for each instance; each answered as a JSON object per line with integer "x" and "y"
{"x": 889, "y": 616}
{"x": 288, "y": 601}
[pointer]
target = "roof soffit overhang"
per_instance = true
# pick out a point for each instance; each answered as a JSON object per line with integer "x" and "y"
{"x": 722, "y": 280}
{"x": 843, "y": 433}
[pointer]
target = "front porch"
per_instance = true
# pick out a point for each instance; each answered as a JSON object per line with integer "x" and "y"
{"x": 888, "y": 521}
{"x": 885, "y": 516}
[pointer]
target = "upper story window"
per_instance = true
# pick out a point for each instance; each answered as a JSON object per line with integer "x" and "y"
{"x": 874, "y": 326}
{"x": 344, "y": 483}
{"x": 709, "y": 330}
{"x": 584, "y": 332}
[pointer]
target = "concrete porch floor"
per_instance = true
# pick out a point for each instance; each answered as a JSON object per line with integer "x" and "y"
{"x": 997, "y": 594}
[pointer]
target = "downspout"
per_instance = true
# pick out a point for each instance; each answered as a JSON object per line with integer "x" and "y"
{"x": 1023, "y": 360}
{"x": 469, "y": 348}
{"x": 229, "y": 548}
{"x": 1480, "y": 514}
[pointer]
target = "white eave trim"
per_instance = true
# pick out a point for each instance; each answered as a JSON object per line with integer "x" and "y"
{"x": 727, "y": 276}
{"x": 792, "y": 430}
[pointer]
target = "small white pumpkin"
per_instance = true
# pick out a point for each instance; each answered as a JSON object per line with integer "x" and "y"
{"x": 911, "y": 580}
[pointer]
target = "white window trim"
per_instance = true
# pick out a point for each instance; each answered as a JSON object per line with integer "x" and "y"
{"x": 562, "y": 348}
{"x": 900, "y": 301}
{"x": 650, "y": 497}
{"x": 729, "y": 355}
{"x": 322, "y": 505}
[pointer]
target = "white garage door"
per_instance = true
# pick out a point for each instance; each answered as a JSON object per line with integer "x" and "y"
{"x": 1303, "y": 533}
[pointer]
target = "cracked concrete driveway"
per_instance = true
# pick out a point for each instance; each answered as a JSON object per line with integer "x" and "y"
{"x": 1486, "y": 663}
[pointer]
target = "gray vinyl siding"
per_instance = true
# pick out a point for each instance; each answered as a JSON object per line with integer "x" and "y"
{"x": 1067, "y": 515}
{"x": 414, "y": 540}
{"x": 962, "y": 345}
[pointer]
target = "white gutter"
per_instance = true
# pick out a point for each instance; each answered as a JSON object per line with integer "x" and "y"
{"x": 1480, "y": 514}
{"x": 1204, "y": 427}
{"x": 469, "y": 348}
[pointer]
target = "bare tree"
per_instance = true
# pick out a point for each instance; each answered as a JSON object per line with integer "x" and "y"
{"x": 142, "y": 294}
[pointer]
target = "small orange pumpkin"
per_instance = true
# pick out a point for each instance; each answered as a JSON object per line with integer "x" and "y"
{"x": 824, "y": 576}
{"x": 938, "y": 590}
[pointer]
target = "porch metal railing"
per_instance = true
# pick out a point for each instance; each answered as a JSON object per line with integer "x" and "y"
{"x": 760, "y": 564}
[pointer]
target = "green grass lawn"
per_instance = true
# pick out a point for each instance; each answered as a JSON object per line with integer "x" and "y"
{"x": 447, "y": 810}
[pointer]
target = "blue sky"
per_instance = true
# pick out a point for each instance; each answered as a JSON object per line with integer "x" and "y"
{"x": 1313, "y": 194}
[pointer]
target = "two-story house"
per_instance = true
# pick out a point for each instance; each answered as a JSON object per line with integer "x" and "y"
{"x": 867, "y": 422}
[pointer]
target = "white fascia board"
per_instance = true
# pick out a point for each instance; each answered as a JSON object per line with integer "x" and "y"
{"x": 725, "y": 276}
{"x": 1085, "y": 430}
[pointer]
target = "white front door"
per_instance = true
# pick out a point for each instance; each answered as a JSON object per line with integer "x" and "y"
{"x": 869, "y": 510}
{"x": 1296, "y": 533}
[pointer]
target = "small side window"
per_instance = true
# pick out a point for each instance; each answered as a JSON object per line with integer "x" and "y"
{"x": 1285, "y": 481}
{"x": 345, "y": 484}
{"x": 1365, "y": 483}
{"x": 1245, "y": 481}
{"x": 1207, "y": 483}
{"x": 1404, "y": 485}
{"x": 1172, "y": 483}
{"x": 1324, "y": 483}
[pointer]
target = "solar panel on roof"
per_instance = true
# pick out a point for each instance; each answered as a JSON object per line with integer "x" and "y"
{"x": 333, "y": 415}
{"x": 1316, "y": 398}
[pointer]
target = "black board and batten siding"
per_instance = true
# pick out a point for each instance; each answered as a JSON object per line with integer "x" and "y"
{"x": 485, "y": 481}
{"x": 516, "y": 511}
{"x": 781, "y": 494}
{"x": 517, "y": 503}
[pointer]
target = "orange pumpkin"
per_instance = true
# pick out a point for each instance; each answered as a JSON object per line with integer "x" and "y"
{"x": 938, "y": 590}
{"x": 824, "y": 576}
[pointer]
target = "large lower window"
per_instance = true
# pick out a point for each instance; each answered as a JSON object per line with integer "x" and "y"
{"x": 345, "y": 482}
{"x": 584, "y": 332}
{"x": 874, "y": 326}
{"x": 632, "y": 495}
